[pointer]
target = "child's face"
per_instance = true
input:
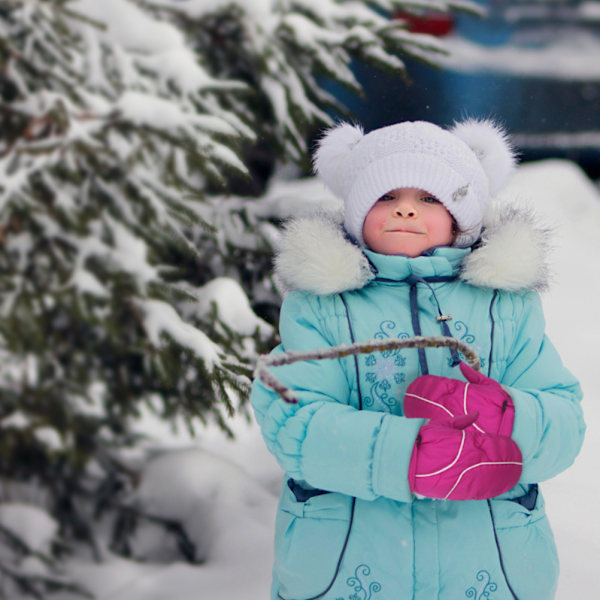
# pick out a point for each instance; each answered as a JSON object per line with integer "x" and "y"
{"x": 407, "y": 221}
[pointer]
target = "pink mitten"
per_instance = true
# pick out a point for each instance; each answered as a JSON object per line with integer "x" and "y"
{"x": 462, "y": 464}
{"x": 443, "y": 399}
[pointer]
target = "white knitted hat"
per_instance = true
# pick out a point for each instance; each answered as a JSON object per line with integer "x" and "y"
{"x": 462, "y": 167}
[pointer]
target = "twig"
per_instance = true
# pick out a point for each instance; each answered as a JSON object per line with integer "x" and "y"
{"x": 287, "y": 358}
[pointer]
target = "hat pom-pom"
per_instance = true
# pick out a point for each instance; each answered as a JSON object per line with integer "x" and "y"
{"x": 332, "y": 150}
{"x": 492, "y": 147}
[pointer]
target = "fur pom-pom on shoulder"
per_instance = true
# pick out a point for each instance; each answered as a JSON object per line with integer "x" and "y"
{"x": 492, "y": 147}
{"x": 332, "y": 150}
{"x": 513, "y": 255}
{"x": 314, "y": 255}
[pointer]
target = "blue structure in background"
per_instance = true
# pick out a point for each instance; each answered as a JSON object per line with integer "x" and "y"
{"x": 525, "y": 104}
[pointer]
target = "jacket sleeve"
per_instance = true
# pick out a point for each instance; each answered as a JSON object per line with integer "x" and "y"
{"x": 323, "y": 440}
{"x": 549, "y": 427}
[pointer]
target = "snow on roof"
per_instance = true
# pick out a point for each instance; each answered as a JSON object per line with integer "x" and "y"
{"x": 570, "y": 57}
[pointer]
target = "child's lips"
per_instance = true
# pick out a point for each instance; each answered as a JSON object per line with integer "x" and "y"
{"x": 404, "y": 230}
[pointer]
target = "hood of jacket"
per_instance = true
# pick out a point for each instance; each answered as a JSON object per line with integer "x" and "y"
{"x": 315, "y": 254}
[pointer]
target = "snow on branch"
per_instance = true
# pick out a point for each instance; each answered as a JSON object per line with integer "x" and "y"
{"x": 161, "y": 318}
{"x": 231, "y": 303}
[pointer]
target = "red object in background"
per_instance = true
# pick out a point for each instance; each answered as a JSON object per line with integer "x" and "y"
{"x": 437, "y": 24}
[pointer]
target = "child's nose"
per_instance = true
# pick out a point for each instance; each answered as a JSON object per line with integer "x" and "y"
{"x": 405, "y": 208}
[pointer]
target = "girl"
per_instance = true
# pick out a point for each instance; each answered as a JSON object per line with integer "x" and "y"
{"x": 377, "y": 440}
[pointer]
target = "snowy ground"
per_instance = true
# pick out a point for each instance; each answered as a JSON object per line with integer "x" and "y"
{"x": 228, "y": 497}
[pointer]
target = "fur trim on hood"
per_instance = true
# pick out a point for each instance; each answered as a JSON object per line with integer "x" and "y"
{"x": 315, "y": 255}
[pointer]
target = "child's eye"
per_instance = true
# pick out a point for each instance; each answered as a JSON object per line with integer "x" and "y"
{"x": 386, "y": 197}
{"x": 430, "y": 199}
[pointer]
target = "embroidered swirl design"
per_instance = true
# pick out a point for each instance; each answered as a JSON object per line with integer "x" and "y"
{"x": 383, "y": 370}
{"x": 462, "y": 329}
{"x": 484, "y": 589}
{"x": 385, "y": 331}
{"x": 363, "y": 589}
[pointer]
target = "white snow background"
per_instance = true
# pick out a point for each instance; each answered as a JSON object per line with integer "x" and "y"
{"x": 226, "y": 497}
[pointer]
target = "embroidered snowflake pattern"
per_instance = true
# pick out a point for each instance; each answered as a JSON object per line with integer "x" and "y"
{"x": 484, "y": 589}
{"x": 387, "y": 368}
{"x": 383, "y": 371}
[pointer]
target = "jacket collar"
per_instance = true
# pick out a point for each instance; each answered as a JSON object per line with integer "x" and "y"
{"x": 316, "y": 255}
{"x": 441, "y": 262}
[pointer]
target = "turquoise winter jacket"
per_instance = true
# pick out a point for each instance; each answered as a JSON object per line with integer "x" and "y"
{"x": 348, "y": 527}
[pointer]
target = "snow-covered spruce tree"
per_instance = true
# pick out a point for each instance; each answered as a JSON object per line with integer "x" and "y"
{"x": 109, "y": 124}
{"x": 119, "y": 290}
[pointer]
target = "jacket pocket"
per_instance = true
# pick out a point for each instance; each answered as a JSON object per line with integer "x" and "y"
{"x": 526, "y": 547}
{"x": 310, "y": 541}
